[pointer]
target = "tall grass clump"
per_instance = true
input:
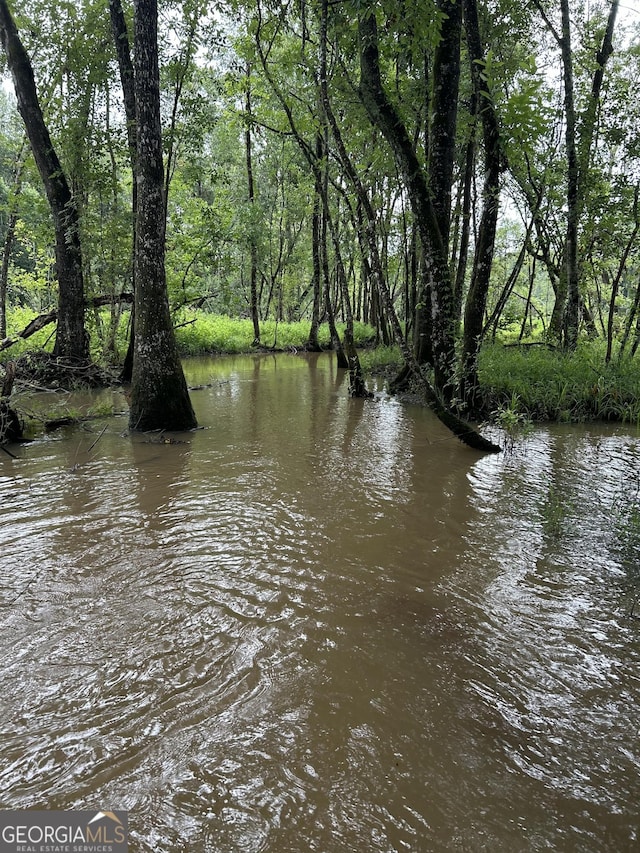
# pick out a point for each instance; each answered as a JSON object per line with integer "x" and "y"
{"x": 553, "y": 385}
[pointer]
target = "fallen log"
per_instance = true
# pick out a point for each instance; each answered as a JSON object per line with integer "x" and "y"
{"x": 31, "y": 328}
{"x": 43, "y": 320}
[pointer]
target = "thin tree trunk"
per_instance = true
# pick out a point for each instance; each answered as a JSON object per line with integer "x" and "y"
{"x": 572, "y": 310}
{"x": 10, "y": 236}
{"x": 527, "y": 304}
{"x": 4, "y": 270}
{"x": 72, "y": 341}
{"x": 312, "y": 343}
{"x": 618, "y": 277}
{"x": 357, "y": 385}
{"x": 483, "y": 258}
{"x": 253, "y": 250}
{"x": 567, "y": 309}
{"x": 125, "y": 67}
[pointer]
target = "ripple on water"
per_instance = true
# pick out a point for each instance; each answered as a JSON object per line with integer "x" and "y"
{"x": 311, "y": 627}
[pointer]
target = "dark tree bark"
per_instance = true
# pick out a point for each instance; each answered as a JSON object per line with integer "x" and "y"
{"x": 251, "y": 194}
{"x": 10, "y": 426}
{"x": 444, "y": 113}
{"x": 442, "y": 149}
{"x": 483, "y": 257}
{"x": 72, "y": 342}
{"x": 316, "y": 223}
{"x": 572, "y": 310}
{"x": 125, "y": 67}
{"x": 159, "y": 394}
{"x": 384, "y": 115}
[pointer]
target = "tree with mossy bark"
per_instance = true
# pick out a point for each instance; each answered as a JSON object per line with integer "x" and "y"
{"x": 159, "y": 394}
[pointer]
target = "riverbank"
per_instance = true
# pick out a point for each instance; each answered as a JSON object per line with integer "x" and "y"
{"x": 520, "y": 383}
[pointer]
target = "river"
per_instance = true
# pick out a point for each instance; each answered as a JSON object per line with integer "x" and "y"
{"x": 323, "y": 624}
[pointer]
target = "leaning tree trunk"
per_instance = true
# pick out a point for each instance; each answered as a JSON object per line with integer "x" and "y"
{"x": 386, "y": 118}
{"x": 125, "y": 67}
{"x": 72, "y": 341}
{"x": 572, "y": 309}
{"x": 313, "y": 343}
{"x": 251, "y": 197}
{"x": 159, "y": 394}
{"x": 357, "y": 384}
{"x": 438, "y": 404}
{"x": 483, "y": 258}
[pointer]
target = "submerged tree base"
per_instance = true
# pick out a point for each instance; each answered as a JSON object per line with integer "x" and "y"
{"x": 10, "y": 426}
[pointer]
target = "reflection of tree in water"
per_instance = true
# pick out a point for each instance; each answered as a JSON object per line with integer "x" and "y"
{"x": 160, "y": 466}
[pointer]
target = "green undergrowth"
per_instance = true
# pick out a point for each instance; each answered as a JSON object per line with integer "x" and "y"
{"x": 519, "y": 384}
{"x": 17, "y": 320}
{"x": 381, "y": 359}
{"x": 199, "y": 333}
{"x": 544, "y": 384}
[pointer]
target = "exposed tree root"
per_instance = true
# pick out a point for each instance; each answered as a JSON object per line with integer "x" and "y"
{"x": 55, "y": 373}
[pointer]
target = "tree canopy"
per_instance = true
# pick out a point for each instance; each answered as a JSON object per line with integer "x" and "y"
{"x": 444, "y": 170}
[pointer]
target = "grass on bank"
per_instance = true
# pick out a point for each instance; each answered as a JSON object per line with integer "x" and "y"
{"x": 545, "y": 384}
{"x": 519, "y": 383}
{"x": 197, "y": 333}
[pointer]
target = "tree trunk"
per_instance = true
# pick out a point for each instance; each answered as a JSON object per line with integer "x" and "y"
{"x": 10, "y": 236}
{"x": 438, "y": 404}
{"x": 4, "y": 270}
{"x": 125, "y": 66}
{"x": 384, "y": 116}
{"x": 357, "y": 385}
{"x": 444, "y": 113}
{"x": 483, "y": 257}
{"x": 72, "y": 341}
{"x": 441, "y": 151}
{"x": 10, "y": 426}
{"x": 572, "y": 310}
{"x": 465, "y": 216}
{"x": 565, "y": 320}
{"x": 159, "y": 394}
{"x": 313, "y": 344}
{"x": 251, "y": 193}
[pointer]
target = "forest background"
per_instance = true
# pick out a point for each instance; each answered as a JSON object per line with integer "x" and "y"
{"x": 455, "y": 181}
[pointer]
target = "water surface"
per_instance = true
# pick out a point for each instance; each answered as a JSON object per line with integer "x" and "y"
{"x": 322, "y": 624}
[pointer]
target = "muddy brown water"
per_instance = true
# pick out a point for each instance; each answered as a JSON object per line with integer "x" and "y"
{"x": 321, "y": 624}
